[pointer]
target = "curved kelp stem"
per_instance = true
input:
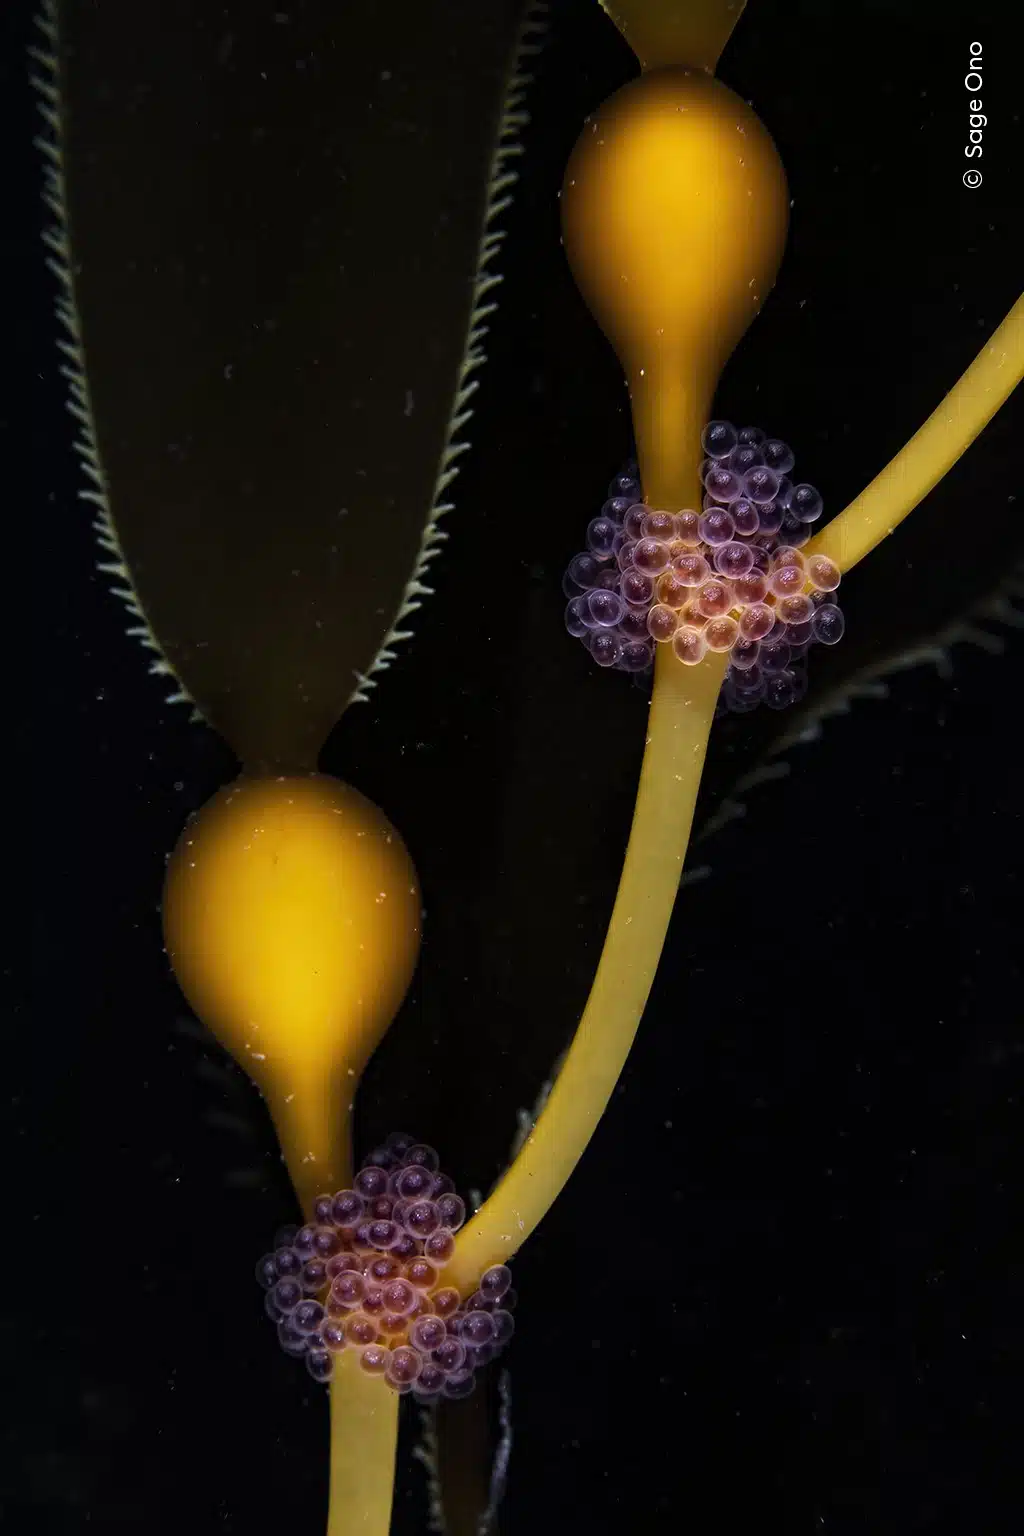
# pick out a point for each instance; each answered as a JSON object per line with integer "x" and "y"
{"x": 682, "y": 710}
{"x": 932, "y": 451}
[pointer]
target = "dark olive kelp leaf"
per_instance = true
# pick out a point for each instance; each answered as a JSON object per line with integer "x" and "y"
{"x": 275, "y": 233}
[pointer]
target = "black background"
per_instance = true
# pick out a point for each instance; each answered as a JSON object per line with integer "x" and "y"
{"x": 783, "y": 1289}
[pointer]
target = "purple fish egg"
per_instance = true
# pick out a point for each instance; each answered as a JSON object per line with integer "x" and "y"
{"x": 504, "y": 1326}
{"x": 636, "y": 656}
{"x": 718, "y": 439}
{"x": 626, "y": 484}
{"x": 427, "y": 1334}
{"x": 829, "y": 624}
{"x": 616, "y": 507}
{"x": 744, "y": 654}
{"x": 605, "y": 649}
{"x": 723, "y": 485}
{"x": 633, "y": 522}
{"x": 605, "y": 608}
{"x": 320, "y": 1363}
{"x": 460, "y": 1384}
{"x": 781, "y": 690}
{"x": 399, "y": 1142}
{"x": 651, "y": 556}
{"x": 287, "y": 1294}
{"x": 744, "y": 458}
{"x": 291, "y": 1340}
{"x": 601, "y": 532}
{"x": 784, "y": 494}
{"x": 633, "y": 625}
{"x": 778, "y": 455}
{"x": 716, "y": 527}
{"x": 416, "y": 1182}
{"x": 332, "y": 1334}
{"x": 326, "y": 1243}
{"x": 774, "y": 657}
{"x": 577, "y": 617}
{"x": 806, "y": 503}
{"x": 348, "y": 1289}
{"x": 584, "y": 571}
{"x": 451, "y": 1355}
{"x": 308, "y": 1316}
{"x": 477, "y": 1328}
{"x": 429, "y": 1382}
{"x": 794, "y": 531}
{"x": 371, "y": 1182}
{"x": 421, "y": 1218}
{"x": 746, "y": 518}
{"x": 288, "y": 1262}
{"x": 733, "y": 559}
{"x": 624, "y": 556}
{"x": 305, "y": 1241}
{"x": 267, "y": 1271}
{"x": 384, "y": 1234}
{"x": 494, "y": 1282}
{"x": 452, "y": 1211}
{"x": 314, "y": 1275}
{"x": 761, "y": 485}
{"x": 438, "y": 1248}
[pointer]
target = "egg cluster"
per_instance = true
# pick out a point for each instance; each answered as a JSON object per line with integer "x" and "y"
{"x": 367, "y": 1274}
{"x": 730, "y": 577}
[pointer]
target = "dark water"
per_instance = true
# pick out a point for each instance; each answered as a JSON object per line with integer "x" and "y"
{"x": 808, "y": 1180}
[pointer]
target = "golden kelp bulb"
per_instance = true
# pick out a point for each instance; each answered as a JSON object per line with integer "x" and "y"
{"x": 674, "y": 211}
{"x": 292, "y": 920}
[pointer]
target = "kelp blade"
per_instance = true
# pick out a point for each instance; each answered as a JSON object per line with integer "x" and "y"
{"x": 275, "y": 221}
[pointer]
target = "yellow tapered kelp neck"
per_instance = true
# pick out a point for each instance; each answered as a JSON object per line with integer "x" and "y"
{"x": 292, "y": 920}
{"x": 674, "y": 212}
{"x": 663, "y": 32}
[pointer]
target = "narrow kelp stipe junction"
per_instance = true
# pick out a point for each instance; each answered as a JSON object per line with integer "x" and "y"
{"x": 729, "y": 578}
{"x": 366, "y": 1274}
{"x": 292, "y": 909}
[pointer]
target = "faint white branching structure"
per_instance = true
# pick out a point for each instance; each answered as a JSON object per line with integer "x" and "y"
{"x": 45, "y": 78}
